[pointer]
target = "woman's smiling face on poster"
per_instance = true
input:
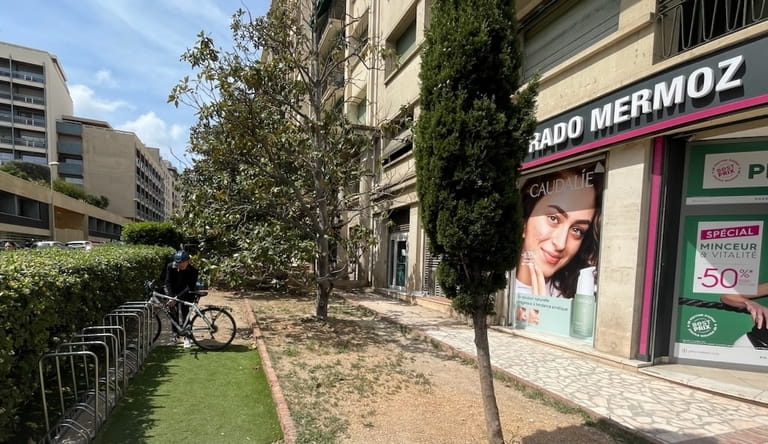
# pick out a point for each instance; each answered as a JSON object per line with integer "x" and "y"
{"x": 557, "y": 226}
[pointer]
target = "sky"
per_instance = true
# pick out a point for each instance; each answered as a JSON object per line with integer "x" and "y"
{"x": 122, "y": 57}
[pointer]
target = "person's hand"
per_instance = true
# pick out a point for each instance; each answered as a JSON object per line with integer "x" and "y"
{"x": 170, "y": 304}
{"x": 538, "y": 283}
{"x": 759, "y": 313}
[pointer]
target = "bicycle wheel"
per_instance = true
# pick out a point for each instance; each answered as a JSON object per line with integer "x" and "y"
{"x": 213, "y": 329}
{"x": 155, "y": 327}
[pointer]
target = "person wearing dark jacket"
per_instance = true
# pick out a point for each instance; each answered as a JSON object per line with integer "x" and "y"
{"x": 180, "y": 279}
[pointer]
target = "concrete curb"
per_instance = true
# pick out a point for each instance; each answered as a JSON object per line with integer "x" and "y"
{"x": 284, "y": 415}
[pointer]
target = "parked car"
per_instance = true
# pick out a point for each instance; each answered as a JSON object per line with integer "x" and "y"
{"x": 83, "y": 244}
{"x": 50, "y": 244}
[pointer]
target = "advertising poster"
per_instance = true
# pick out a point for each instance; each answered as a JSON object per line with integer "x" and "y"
{"x": 724, "y": 260}
{"x": 556, "y": 277}
{"x": 724, "y": 281}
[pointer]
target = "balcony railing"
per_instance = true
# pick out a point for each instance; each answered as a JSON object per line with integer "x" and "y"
{"x": 29, "y": 76}
{"x": 33, "y": 121}
{"x": 686, "y": 24}
{"x": 37, "y": 100}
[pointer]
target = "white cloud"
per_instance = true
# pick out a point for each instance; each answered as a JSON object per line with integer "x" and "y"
{"x": 104, "y": 77}
{"x": 156, "y": 133}
{"x": 86, "y": 103}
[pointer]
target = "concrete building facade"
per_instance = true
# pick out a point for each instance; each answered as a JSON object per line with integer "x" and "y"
{"x": 659, "y": 107}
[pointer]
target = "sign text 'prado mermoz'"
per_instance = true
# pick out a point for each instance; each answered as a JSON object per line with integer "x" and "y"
{"x": 729, "y": 77}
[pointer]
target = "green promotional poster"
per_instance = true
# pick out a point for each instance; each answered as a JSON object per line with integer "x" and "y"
{"x": 724, "y": 280}
{"x": 556, "y": 278}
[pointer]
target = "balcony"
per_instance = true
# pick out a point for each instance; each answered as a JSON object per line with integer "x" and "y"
{"x": 330, "y": 18}
{"x": 30, "y": 120}
{"x": 69, "y": 128}
{"x": 686, "y": 24}
{"x": 28, "y": 76}
{"x": 69, "y": 147}
{"x": 34, "y": 100}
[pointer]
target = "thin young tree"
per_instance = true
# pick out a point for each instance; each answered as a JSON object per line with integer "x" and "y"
{"x": 273, "y": 151}
{"x": 471, "y": 137}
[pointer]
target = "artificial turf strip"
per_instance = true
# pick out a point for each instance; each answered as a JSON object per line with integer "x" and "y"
{"x": 190, "y": 395}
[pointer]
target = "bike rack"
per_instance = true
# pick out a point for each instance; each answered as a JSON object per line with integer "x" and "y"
{"x": 89, "y": 373}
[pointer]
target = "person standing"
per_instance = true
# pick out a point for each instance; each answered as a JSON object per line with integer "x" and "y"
{"x": 180, "y": 280}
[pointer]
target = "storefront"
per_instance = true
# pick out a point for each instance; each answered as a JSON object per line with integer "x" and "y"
{"x": 655, "y": 202}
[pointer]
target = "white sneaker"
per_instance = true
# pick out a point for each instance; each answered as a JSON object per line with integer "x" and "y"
{"x": 174, "y": 340}
{"x": 187, "y": 343}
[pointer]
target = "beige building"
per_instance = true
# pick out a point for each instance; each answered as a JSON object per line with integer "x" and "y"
{"x": 660, "y": 105}
{"x": 115, "y": 164}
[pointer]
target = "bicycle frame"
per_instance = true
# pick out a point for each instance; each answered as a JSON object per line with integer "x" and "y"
{"x": 194, "y": 309}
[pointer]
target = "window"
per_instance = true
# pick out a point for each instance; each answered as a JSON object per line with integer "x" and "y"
{"x": 406, "y": 42}
{"x": 29, "y": 208}
{"x": 685, "y": 24}
{"x": 33, "y": 158}
{"x": 360, "y": 111}
{"x": 74, "y": 180}
{"x": 7, "y": 203}
{"x": 401, "y": 42}
{"x": 558, "y": 30}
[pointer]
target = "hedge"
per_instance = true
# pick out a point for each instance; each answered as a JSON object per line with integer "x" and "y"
{"x": 46, "y": 295}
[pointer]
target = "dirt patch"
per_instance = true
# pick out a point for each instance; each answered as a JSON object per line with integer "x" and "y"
{"x": 356, "y": 378}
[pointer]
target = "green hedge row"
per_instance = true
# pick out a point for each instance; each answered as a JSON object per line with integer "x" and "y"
{"x": 46, "y": 295}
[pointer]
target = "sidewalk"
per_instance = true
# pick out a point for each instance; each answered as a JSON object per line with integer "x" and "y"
{"x": 660, "y": 410}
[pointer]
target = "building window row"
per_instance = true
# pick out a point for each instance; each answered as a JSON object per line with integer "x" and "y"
{"x": 14, "y": 205}
{"x": 104, "y": 228}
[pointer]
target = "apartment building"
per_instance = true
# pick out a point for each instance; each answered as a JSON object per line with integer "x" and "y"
{"x": 37, "y": 125}
{"x": 659, "y": 107}
{"x": 33, "y": 93}
{"x": 115, "y": 164}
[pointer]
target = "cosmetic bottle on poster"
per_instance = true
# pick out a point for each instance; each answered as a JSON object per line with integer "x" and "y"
{"x": 583, "y": 308}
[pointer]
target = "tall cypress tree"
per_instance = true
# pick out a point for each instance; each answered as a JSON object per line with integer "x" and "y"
{"x": 471, "y": 137}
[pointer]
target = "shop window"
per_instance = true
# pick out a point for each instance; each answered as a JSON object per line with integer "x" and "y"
{"x": 556, "y": 31}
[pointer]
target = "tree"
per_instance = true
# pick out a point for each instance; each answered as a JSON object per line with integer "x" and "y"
{"x": 273, "y": 150}
{"x": 471, "y": 137}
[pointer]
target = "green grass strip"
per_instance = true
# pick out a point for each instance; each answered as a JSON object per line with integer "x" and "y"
{"x": 196, "y": 396}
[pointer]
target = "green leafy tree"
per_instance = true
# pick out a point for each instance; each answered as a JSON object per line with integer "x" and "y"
{"x": 471, "y": 137}
{"x": 273, "y": 151}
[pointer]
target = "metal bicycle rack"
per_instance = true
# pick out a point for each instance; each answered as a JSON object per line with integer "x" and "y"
{"x": 86, "y": 376}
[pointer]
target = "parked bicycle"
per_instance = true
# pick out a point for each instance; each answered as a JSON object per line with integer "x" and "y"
{"x": 210, "y": 327}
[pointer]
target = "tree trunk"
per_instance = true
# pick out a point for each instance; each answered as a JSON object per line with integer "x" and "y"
{"x": 492, "y": 421}
{"x": 324, "y": 288}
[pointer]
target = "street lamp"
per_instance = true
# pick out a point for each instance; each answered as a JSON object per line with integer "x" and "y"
{"x": 52, "y": 210}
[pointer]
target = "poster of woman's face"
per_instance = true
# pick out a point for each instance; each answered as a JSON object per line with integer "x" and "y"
{"x": 561, "y": 213}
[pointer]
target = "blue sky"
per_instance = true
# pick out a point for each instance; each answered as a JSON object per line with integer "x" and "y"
{"x": 121, "y": 57}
